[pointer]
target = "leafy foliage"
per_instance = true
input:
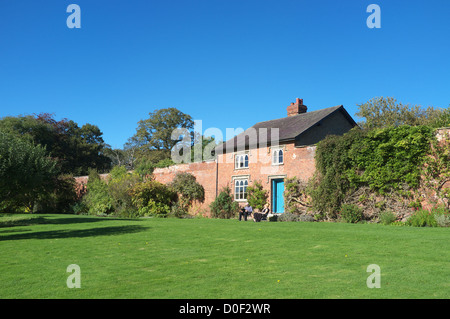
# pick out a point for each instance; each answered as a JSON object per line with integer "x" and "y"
{"x": 224, "y": 206}
{"x": 383, "y": 160}
{"x": 387, "y": 217}
{"x": 188, "y": 189}
{"x": 152, "y": 198}
{"x": 61, "y": 199}
{"x": 296, "y": 196}
{"x": 75, "y": 148}
{"x": 98, "y": 199}
{"x": 351, "y": 213}
{"x": 257, "y": 195}
{"x": 27, "y": 174}
{"x": 381, "y": 112}
{"x": 119, "y": 187}
{"x": 422, "y": 218}
{"x": 155, "y": 133}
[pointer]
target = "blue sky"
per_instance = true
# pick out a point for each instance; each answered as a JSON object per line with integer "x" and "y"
{"x": 228, "y": 63}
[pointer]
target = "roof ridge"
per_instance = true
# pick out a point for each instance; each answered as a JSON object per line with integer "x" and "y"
{"x": 306, "y": 113}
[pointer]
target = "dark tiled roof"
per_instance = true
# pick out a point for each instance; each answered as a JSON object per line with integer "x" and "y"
{"x": 288, "y": 129}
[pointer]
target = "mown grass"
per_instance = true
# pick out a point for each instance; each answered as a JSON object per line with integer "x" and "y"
{"x": 210, "y": 258}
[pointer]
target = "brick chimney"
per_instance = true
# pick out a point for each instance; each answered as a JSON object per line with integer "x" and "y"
{"x": 296, "y": 108}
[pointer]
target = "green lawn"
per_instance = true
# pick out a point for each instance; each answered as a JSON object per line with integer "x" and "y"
{"x": 209, "y": 258}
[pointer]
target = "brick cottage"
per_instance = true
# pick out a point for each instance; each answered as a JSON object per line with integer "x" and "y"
{"x": 268, "y": 152}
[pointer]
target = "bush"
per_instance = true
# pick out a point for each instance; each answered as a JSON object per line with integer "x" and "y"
{"x": 178, "y": 211}
{"x": 188, "y": 189}
{"x": 288, "y": 217}
{"x": 97, "y": 199}
{"x": 119, "y": 186}
{"x": 256, "y": 196}
{"x": 387, "y": 218}
{"x": 152, "y": 198}
{"x": 442, "y": 220}
{"x": 61, "y": 199}
{"x": 351, "y": 213}
{"x": 224, "y": 206}
{"x": 422, "y": 218}
{"x": 386, "y": 161}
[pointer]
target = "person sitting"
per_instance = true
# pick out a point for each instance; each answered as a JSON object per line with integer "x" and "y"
{"x": 257, "y": 217}
{"x": 265, "y": 212}
{"x": 246, "y": 211}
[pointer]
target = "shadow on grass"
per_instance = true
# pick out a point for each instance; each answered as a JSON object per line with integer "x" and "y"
{"x": 49, "y": 219}
{"x": 77, "y": 233}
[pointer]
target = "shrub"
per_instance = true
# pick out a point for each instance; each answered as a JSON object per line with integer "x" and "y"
{"x": 288, "y": 217}
{"x": 387, "y": 218}
{"x": 97, "y": 199}
{"x": 224, "y": 206}
{"x": 188, "y": 189}
{"x": 119, "y": 186}
{"x": 296, "y": 195}
{"x": 146, "y": 166}
{"x": 422, "y": 218}
{"x": 386, "y": 161}
{"x": 152, "y": 198}
{"x": 178, "y": 211}
{"x": 442, "y": 216}
{"x": 442, "y": 220}
{"x": 61, "y": 199}
{"x": 256, "y": 195}
{"x": 351, "y": 213}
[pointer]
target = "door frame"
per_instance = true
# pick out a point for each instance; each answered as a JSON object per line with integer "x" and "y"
{"x": 274, "y": 193}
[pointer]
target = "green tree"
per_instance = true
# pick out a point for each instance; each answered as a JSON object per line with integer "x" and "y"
{"x": 27, "y": 174}
{"x": 155, "y": 133}
{"x": 381, "y": 112}
{"x": 75, "y": 149}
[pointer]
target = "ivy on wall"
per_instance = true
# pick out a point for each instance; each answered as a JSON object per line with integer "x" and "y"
{"x": 384, "y": 161}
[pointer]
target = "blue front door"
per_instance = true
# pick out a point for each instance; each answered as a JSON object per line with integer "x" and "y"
{"x": 277, "y": 196}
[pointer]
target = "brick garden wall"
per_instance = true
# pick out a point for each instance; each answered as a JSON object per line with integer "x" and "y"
{"x": 298, "y": 161}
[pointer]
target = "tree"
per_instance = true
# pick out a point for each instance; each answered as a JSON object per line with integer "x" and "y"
{"x": 75, "y": 149}
{"x": 155, "y": 133}
{"x": 27, "y": 173}
{"x": 383, "y": 112}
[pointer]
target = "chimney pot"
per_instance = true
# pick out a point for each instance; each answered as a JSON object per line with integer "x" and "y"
{"x": 296, "y": 108}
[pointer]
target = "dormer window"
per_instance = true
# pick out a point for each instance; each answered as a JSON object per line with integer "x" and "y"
{"x": 277, "y": 157}
{"x": 241, "y": 161}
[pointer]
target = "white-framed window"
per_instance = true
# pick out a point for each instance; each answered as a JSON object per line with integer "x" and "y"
{"x": 277, "y": 156}
{"x": 241, "y": 161}
{"x": 240, "y": 189}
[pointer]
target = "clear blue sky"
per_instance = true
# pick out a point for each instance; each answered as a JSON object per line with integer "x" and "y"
{"x": 228, "y": 63}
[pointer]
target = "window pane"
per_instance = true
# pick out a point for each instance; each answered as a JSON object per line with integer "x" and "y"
{"x": 275, "y": 157}
{"x": 245, "y": 189}
{"x": 246, "y": 161}
{"x": 280, "y": 157}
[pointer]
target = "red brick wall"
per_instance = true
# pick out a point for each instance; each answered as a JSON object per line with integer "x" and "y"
{"x": 298, "y": 161}
{"x": 204, "y": 172}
